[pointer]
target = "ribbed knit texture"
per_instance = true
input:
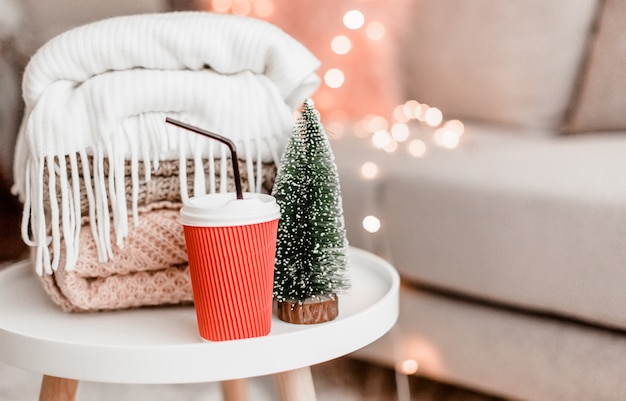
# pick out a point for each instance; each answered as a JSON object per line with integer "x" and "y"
{"x": 103, "y": 91}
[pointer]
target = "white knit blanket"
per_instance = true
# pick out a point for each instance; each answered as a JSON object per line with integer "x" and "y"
{"x": 103, "y": 91}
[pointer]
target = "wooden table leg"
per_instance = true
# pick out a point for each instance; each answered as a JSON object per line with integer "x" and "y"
{"x": 57, "y": 389}
{"x": 296, "y": 385}
{"x": 235, "y": 390}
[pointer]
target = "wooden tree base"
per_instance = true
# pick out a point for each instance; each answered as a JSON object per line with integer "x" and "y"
{"x": 316, "y": 309}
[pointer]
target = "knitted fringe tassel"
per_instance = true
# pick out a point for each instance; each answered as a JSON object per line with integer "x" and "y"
{"x": 52, "y": 208}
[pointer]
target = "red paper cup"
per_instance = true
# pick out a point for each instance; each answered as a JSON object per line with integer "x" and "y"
{"x": 231, "y": 245}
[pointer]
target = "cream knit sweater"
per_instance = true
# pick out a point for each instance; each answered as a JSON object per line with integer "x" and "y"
{"x": 103, "y": 90}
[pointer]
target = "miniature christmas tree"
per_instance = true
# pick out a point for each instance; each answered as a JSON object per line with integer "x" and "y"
{"x": 311, "y": 252}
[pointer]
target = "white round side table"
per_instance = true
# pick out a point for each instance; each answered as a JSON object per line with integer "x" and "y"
{"x": 162, "y": 345}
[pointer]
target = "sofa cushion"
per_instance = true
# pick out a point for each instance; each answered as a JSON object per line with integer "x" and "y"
{"x": 517, "y": 356}
{"x": 505, "y": 61}
{"x": 529, "y": 221}
{"x": 601, "y": 101}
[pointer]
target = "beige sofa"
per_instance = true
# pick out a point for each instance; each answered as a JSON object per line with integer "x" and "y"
{"x": 512, "y": 246}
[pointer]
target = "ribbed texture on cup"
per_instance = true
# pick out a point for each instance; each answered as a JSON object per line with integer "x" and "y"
{"x": 232, "y": 276}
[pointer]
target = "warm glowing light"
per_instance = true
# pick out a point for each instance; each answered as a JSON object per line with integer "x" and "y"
{"x": 377, "y": 123}
{"x": 420, "y": 113}
{"x": 353, "y": 19}
{"x": 371, "y": 224}
{"x": 427, "y": 353}
{"x": 334, "y": 78}
{"x": 417, "y": 148}
{"x": 263, "y": 8}
{"x": 381, "y": 139}
{"x": 369, "y": 170}
{"x": 221, "y": 6}
{"x": 456, "y": 126}
{"x": 399, "y": 115}
{"x": 391, "y": 146}
{"x": 375, "y": 30}
{"x": 400, "y": 132}
{"x": 433, "y": 117}
{"x": 420, "y": 110}
{"x": 447, "y": 138}
{"x": 407, "y": 367}
{"x": 411, "y": 108}
{"x": 341, "y": 44}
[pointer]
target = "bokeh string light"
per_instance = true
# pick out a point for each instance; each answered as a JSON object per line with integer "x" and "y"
{"x": 388, "y": 134}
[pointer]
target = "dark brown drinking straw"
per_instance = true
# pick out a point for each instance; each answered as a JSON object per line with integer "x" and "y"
{"x": 217, "y": 137}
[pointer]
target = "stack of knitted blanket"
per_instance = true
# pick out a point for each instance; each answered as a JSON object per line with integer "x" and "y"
{"x": 151, "y": 268}
{"x": 101, "y": 175}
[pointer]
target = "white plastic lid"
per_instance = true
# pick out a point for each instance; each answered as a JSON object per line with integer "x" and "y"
{"x": 225, "y": 210}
